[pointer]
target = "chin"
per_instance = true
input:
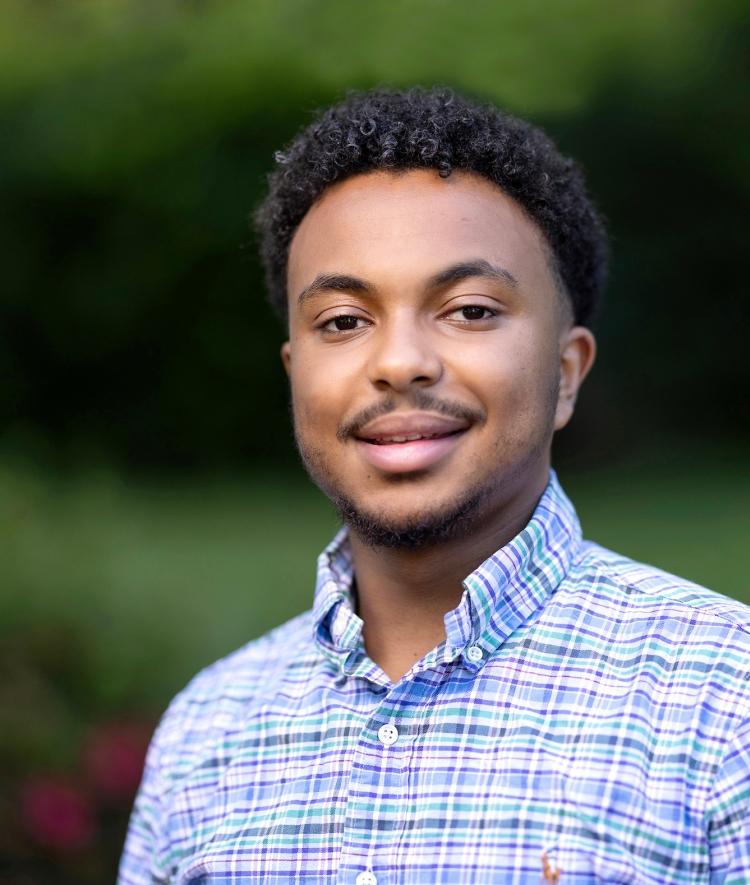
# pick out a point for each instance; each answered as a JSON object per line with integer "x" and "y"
{"x": 412, "y": 530}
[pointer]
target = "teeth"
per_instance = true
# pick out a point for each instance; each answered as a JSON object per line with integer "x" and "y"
{"x": 401, "y": 439}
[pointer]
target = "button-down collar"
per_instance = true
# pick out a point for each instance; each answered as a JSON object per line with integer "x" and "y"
{"x": 499, "y": 596}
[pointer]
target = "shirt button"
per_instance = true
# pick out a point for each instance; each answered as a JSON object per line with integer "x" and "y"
{"x": 474, "y": 654}
{"x": 388, "y": 735}
{"x": 366, "y": 878}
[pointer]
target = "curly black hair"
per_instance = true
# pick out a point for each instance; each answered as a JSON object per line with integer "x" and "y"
{"x": 437, "y": 129}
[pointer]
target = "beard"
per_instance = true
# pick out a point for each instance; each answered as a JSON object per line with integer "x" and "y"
{"x": 420, "y": 530}
{"x": 458, "y": 517}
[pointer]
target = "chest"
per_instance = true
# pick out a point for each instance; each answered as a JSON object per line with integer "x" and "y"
{"x": 438, "y": 781}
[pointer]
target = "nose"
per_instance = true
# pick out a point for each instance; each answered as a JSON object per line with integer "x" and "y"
{"x": 403, "y": 355}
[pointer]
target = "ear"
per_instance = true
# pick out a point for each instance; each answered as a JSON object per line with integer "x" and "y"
{"x": 577, "y": 353}
{"x": 286, "y": 357}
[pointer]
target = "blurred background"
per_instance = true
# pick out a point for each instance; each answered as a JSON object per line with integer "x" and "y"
{"x": 153, "y": 514}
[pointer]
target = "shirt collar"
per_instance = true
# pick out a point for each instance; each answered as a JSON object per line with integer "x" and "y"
{"x": 515, "y": 582}
{"x": 499, "y": 596}
{"x": 337, "y": 627}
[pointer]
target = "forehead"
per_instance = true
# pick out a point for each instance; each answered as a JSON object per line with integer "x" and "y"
{"x": 406, "y": 225}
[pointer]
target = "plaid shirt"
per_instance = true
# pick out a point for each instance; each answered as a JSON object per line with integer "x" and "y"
{"x": 586, "y": 714}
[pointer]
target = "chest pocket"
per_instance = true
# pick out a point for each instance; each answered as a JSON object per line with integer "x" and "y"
{"x": 595, "y": 832}
{"x": 580, "y": 858}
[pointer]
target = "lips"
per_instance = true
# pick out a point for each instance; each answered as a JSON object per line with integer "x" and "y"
{"x": 407, "y": 442}
{"x": 406, "y": 426}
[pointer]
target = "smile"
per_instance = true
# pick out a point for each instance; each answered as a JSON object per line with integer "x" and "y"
{"x": 404, "y": 443}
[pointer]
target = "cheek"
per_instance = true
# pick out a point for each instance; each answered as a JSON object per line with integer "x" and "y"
{"x": 515, "y": 382}
{"x": 316, "y": 398}
{"x": 324, "y": 380}
{"x": 506, "y": 368}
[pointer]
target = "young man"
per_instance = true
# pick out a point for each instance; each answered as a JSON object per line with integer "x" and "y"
{"x": 477, "y": 695}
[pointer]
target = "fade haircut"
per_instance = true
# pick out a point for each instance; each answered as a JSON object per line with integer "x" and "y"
{"x": 436, "y": 128}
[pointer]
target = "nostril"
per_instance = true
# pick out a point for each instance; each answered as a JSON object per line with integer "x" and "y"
{"x": 394, "y": 383}
{"x": 400, "y": 368}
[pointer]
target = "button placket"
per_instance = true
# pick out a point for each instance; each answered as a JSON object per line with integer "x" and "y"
{"x": 377, "y": 768}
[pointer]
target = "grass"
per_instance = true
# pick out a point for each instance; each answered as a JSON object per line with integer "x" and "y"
{"x": 114, "y": 593}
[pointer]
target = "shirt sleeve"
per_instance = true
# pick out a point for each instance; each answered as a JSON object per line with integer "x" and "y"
{"x": 728, "y": 814}
{"x": 148, "y": 856}
{"x": 141, "y": 863}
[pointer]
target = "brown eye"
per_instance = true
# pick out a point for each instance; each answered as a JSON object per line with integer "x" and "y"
{"x": 473, "y": 312}
{"x": 345, "y": 323}
{"x": 473, "y": 316}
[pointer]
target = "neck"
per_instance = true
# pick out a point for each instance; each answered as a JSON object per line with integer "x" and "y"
{"x": 405, "y": 593}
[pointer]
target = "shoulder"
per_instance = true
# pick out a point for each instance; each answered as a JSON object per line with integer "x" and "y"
{"x": 659, "y": 621}
{"x": 224, "y": 694}
{"x": 639, "y": 586}
{"x": 676, "y": 652}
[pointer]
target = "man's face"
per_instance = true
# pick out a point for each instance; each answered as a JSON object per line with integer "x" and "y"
{"x": 426, "y": 352}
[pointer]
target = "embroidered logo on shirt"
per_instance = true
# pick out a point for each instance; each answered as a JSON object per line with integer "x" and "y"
{"x": 550, "y": 872}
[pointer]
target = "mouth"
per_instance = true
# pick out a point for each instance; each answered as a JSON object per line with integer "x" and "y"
{"x": 409, "y": 443}
{"x": 400, "y": 440}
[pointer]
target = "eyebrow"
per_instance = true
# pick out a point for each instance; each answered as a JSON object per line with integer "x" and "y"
{"x": 463, "y": 270}
{"x": 332, "y": 282}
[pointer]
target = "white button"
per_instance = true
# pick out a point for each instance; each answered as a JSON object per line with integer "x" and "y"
{"x": 388, "y": 735}
{"x": 366, "y": 878}
{"x": 474, "y": 654}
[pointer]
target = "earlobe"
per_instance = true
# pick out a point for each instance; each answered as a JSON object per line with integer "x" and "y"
{"x": 577, "y": 354}
{"x": 286, "y": 357}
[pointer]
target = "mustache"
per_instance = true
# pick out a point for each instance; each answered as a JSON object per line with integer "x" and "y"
{"x": 419, "y": 399}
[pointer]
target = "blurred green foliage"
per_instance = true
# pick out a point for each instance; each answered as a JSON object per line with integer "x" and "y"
{"x": 137, "y": 136}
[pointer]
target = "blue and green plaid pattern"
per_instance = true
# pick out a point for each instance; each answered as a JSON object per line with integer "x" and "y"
{"x": 583, "y": 706}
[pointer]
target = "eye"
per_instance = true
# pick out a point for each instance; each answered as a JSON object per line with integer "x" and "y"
{"x": 344, "y": 322}
{"x": 471, "y": 313}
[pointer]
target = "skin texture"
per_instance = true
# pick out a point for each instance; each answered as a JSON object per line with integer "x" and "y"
{"x": 493, "y": 352}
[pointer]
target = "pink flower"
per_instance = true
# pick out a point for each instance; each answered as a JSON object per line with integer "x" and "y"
{"x": 113, "y": 757}
{"x": 57, "y": 814}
